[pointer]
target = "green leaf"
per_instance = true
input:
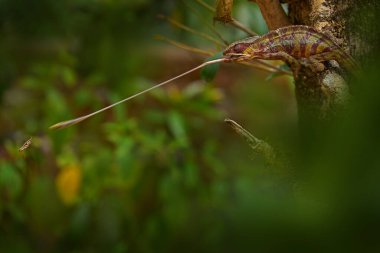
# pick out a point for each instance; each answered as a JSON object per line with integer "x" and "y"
{"x": 273, "y": 75}
{"x": 68, "y": 76}
{"x": 177, "y": 127}
{"x": 208, "y": 73}
{"x": 10, "y": 180}
{"x": 285, "y": 67}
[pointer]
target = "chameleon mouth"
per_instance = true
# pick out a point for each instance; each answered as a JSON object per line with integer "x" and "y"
{"x": 236, "y": 57}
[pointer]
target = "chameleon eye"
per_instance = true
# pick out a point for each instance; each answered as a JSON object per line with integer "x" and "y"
{"x": 239, "y": 48}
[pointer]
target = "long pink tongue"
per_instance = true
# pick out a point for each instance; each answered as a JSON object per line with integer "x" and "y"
{"x": 68, "y": 123}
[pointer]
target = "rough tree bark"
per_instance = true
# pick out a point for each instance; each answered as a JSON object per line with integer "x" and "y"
{"x": 321, "y": 95}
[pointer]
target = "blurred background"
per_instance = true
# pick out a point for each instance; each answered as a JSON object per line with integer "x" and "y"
{"x": 163, "y": 172}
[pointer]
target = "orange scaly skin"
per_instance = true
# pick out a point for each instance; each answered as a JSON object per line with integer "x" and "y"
{"x": 296, "y": 45}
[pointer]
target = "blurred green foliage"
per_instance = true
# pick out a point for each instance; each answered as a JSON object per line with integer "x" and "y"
{"x": 162, "y": 173}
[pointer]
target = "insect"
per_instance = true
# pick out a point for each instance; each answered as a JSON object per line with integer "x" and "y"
{"x": 25, "y": 145}
{"x": 295, "y": 45}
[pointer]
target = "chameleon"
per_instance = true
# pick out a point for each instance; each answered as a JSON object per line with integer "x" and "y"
{"x": 296, "y": 45}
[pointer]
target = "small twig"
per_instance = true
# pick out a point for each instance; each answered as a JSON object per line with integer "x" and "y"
{"x": 208, "y": 7}
{"x": 271, "y": 69}
{"x": 212, "y": 28}
{"x": 258, "y": 146}
{"x": 274, "y": 67}
{"x": 184, "y": 46}
{"x": 240, "y": 26}
{"x": 191, "y": 30}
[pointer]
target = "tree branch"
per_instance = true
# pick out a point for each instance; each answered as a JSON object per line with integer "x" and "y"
{"x": 258, "y": 146}
{"x": 273, "y": 13}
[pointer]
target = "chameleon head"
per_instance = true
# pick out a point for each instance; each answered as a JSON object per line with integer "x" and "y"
{"x": 239, "y": 50}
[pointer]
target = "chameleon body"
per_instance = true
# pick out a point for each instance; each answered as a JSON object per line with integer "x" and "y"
{"x": 296, "y": 45}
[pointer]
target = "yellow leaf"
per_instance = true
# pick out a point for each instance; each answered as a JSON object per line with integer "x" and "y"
{"x": 68, "y": 184}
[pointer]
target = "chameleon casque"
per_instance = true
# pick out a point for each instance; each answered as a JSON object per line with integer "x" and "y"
{"x": 296, "y": 45}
